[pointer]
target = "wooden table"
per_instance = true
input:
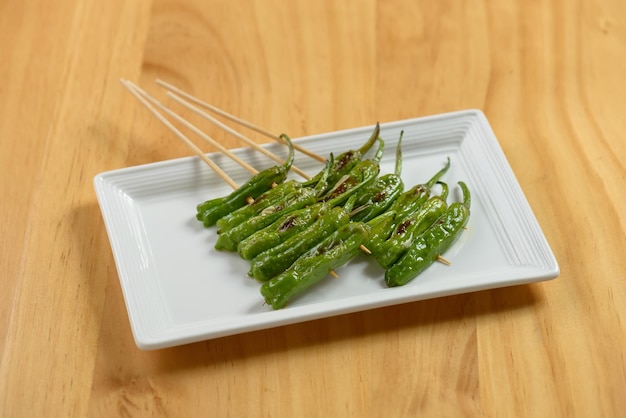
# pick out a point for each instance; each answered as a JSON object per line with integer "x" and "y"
{"x": 549, "y": 75}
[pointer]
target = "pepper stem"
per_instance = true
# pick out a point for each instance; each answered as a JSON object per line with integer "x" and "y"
{"x": 380, "y": 151}
{"x": 438, "y": 175}
{"x": 467, "y": 199}
{"x": 289, "y": 161}
{"x": 323, "y": 178}
{"x": 372, "y": 139}
{"x": 444, "y": 190}
{"x": 398, "y": 169}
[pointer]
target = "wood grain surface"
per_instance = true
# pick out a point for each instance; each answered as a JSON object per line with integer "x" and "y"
{"x": 549, "y": 75}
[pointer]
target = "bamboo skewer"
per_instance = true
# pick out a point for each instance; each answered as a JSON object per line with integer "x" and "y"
{"x": 231, "y": 131}
{"x": 172, "y": 89}
{"x": 135, "y": 92}
{"x": 210, "y": 140}
{"x": 197, "y": 131}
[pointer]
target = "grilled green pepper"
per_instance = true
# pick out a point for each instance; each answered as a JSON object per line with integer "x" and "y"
{"x": 378, "y": 197}
{"x": 346, "y": 161}
{"x": 212, "y": 210}
{"x": 381, "y": 228}
{"x": 361, "y": 176}
{"x": 387, "y": 253}
{"x": 278, "y": 259}
{"x": 432, "y": 243}
{"x": 333, "y": 252}
{"x": 285, "y": 227}
{"x": 411, "y": 200}
{"x": 229, "y": 240}
{"x": 270, "y": 198}
{"x": 407, "y": 203}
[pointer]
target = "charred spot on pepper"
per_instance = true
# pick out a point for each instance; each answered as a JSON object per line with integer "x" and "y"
{"x": 419, "y": 189}
{"x": 403, "y": 226}
{"x": 379, "y": 197}
{"x": 327, "y": 248}
{"x": 345, "y": 159}
{"x": 289, "y": 223}
{"x": 339, "y": 190}
{"x": 345, "y": 185}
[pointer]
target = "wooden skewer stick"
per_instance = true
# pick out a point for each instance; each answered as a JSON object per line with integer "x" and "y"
{"x": 236, "y": 119}
{"x": 132, "y": 89}
{"x": 231, "y": 131}
{"x": 197, "y": 131}
{"x": 365, "y": 249}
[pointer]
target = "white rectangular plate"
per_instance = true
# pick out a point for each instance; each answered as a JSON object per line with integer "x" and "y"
{"x": 179, "y": 290}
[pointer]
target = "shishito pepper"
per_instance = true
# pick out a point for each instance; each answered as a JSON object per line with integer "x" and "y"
{"x": 333, "y": 252}
{"x": 229, "y": 240}
{"x": 411, "y": 200}
{"x": 404, "y": 205}
{"x": 284, "y": 228}
{"x": 361, "y": 176}
{"x": 387, "y": 253}
{"x": 277, "y": 259}
{"x": 432, "y": 243}
{"x": 212, "y": 210}
{"x": 270, "y": 198}
{"x": 381, "y": 227}
{"x": 346, "y": 161}
{"x": 378, "y": 196}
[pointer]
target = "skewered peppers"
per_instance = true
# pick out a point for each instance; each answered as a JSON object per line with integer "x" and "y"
{"x": 281, "y": 230}
{"x": 387, "y": 253}
{"x": 230, "y": 239}
{"x": 380, "y": 195}
{"x": 333, "y": 252}
{"x": 432, "y": 243}
{"x": 277, "y": 259}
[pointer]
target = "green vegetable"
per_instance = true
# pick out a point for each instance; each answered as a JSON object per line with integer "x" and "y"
{"x": 411, "y": 200}
{"x": 333, "y": 252}
{"x": 378, "y": 196}
{"x": 346, "y": 161}
{"x": 285, "y": 227}
{"x": 381, "y": 228}
{"x": 212, "y": 210}
{"x": 404, "y": 205}
{"x": 361, "y": 176}
{"x": 432, "y": 243}
{"x": 277, "y": 259}
{"x": 387, "y": 253}
{"x": 270, "y": 198}
{"x": 229, "y": 240}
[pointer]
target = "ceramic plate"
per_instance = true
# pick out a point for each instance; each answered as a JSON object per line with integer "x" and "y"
{"x": 178, "y": 289}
